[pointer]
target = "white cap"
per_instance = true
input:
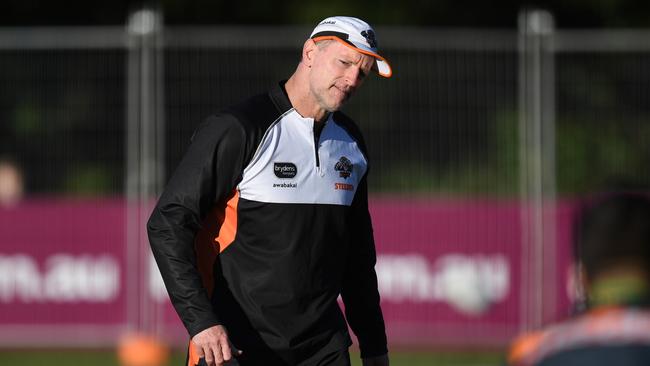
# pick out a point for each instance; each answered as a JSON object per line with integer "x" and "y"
{"x": 355, "y": 33}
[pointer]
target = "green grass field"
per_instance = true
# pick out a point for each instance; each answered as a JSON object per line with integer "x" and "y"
{"x": 109, "y": 358}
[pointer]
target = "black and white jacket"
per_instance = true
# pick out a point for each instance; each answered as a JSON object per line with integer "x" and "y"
{"x": 289, "y": 215}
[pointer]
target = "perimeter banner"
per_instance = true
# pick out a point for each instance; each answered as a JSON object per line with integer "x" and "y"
{"x": 449, "y": 272}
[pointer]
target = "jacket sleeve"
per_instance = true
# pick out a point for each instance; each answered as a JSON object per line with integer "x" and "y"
{"x": 360, "y": 293}
{"x": 207, "y": 174}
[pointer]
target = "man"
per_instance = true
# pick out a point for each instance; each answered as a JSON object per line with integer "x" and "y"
{"x": 613, "y": 250}
{"x": 283, "y": 175}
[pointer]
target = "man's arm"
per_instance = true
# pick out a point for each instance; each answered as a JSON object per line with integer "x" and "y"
{"x": 207, "y": 175}
{"x": 360, "y": 294}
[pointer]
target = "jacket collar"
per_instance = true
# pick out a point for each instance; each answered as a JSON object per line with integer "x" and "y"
{"x": 279, "y": 97}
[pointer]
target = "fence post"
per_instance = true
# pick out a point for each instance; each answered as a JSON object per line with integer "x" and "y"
{"x": 537, "y": 166}
{"x": 144, "y": 154}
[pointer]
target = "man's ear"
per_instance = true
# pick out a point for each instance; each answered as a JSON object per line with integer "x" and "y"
{"x": 308, "y": 50}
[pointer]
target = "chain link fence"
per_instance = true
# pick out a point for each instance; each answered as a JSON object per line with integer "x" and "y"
{"x": 480, "y": 145}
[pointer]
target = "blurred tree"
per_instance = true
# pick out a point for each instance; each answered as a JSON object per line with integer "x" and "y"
{"x": 445, "y": 13}
{"x": 67, "y": 103}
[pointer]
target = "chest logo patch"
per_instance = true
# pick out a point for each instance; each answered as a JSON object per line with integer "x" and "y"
{"x": 344, "y": 167}
{"x": 285, "y": 170}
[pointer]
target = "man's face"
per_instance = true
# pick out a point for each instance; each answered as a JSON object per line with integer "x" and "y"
{"x": 336, "y": 72}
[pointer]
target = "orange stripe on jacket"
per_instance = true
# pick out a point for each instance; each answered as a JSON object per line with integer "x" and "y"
{"x": 228, "y": 229}
{"x": 218, "y": 230}
{"x": 193, "y": 357}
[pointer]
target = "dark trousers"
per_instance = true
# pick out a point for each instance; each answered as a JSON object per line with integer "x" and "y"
{"x": 321, "y": 358}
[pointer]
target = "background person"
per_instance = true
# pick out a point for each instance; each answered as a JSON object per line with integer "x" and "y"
{"x": 11, "y": 183}
{"x": 612, "y": 242}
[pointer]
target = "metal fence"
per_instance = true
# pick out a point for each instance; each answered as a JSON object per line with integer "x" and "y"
{"x": 480, "y": 145}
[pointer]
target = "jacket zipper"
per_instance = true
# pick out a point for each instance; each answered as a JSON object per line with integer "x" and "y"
{"x": 316, "y": 132}
{"x": 316, "y": 142}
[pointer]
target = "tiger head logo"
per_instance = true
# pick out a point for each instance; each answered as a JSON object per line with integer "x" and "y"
{"x": 344, "y": 167}
{"x": 369, "y": 35}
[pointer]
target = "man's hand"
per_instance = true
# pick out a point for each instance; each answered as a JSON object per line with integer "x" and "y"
{"x": 375, "y": 361}
{"x": 213, "y": 345}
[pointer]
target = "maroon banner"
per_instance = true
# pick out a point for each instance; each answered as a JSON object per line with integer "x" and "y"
{"x": 61, "y": 263}
{"x": 62, "y": 272}
{"x": 449, "y": 271}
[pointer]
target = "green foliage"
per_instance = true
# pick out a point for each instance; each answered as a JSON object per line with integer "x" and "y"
{"x": 600, "y": 155}
{"x": 25, "y": 120}
{"x": 492, "y": 169}
{"x": 90, "y": 180}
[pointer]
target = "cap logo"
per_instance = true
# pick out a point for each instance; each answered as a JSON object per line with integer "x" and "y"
{"x": 369, "y": 35}
{"x": 328, "y": 22}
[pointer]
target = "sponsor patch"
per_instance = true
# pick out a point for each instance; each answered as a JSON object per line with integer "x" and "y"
{"x": 344, "y": 186}
{"x": 285, "y": 185}
{"x": 285, "y": 170}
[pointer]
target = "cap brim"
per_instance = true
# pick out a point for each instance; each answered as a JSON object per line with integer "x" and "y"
{"x": 383, "y": 68}
{"x": 381, "y": 65}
